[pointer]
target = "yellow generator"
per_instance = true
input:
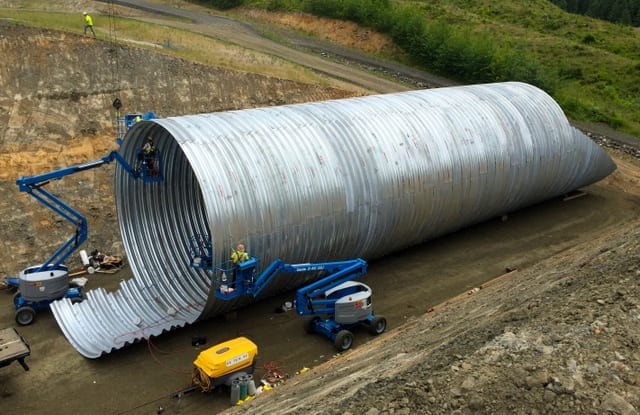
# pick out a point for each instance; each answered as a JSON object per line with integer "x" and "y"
{"x": 224, "y": 362}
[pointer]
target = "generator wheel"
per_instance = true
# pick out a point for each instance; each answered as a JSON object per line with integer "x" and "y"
{"x": 344, "y": 340}
{"x": 25, "y": 315}
{"x": 309, "y": 325}
{"x": 378, "y": 325}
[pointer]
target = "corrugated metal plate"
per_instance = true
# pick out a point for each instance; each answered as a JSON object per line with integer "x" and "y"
{"x": 359, "y": 177}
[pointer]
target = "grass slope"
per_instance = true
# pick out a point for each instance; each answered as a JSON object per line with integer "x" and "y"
{"x": 591, "y": 67}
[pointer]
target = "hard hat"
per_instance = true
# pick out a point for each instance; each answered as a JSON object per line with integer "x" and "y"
{"x": 84, "y": 13}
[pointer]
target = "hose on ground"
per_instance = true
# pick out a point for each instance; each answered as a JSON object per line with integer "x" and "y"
{"x": 199, "y": 378}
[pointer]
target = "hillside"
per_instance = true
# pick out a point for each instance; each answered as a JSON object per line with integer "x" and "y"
{"x": 486, "y": 41}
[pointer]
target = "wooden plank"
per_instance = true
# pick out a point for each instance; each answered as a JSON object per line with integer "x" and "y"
{"x": 13, "y": 347}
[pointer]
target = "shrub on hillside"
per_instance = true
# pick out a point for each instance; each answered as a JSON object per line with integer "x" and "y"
{"x": 224, "y": 4}
{"x": 370, "y": 13}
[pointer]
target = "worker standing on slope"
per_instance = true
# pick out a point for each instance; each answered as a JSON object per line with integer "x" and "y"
{"x": 88, "y": 24}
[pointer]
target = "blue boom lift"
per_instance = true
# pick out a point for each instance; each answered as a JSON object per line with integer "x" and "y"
{"x": 40, "y": 285}
{"x": 337, "y": 303}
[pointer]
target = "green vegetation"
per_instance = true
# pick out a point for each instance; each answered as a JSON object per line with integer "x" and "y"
{"x": 220, "y": 4}
{"x": 589, "y": 66}
{"x": 617, "y": 11}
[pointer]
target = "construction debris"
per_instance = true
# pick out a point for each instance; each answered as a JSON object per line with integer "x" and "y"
{"x": 99, "y": 262}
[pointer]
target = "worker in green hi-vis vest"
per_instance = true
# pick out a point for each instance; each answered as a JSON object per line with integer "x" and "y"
{"x": 88, "y": 24}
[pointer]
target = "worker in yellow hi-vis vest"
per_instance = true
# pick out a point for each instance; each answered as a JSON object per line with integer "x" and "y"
{"x": 88, "y": 24}
{"x": 228, "y": 285}
{"x": 239, "y": 254}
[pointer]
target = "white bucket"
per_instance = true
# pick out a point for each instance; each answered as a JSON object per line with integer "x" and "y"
{"x": 84, "y": 257}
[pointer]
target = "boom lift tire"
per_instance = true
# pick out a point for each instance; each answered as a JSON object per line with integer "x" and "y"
{"x": 344, "y": 340}
{"x": 25, "y": 315}
{"x": 378, "y": 325}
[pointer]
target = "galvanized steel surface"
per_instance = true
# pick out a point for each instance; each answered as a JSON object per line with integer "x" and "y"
{"x": 359, "y": 177}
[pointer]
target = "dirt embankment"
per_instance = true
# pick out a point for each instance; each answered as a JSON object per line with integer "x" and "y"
{"x": 56, "y": 92}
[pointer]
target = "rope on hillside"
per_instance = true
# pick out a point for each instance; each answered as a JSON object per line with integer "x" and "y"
{"x": 115, "y": 67}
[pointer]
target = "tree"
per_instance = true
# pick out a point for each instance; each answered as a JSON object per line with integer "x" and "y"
{"x": 618, "y": 11}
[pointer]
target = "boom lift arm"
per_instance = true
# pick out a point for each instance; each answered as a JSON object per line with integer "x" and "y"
{"x": 34, "y": 185}
{"x": 309, "y": 299}
{"x": 342, "y": 302}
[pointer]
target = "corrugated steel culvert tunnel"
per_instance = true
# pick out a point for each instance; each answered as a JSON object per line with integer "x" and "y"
{"x": 360, "y": 177}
